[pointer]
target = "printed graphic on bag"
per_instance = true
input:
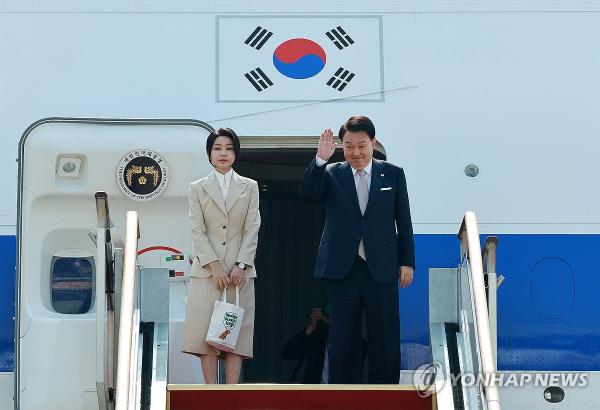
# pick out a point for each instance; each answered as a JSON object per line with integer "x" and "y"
{"x": 224, "y": 335}
{"x": 229, "y": 320}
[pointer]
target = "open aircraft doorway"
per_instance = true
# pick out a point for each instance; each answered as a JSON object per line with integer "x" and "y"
{"x": 291, "y": 228}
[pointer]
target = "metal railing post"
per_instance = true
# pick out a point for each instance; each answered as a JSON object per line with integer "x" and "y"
{"x": 489, "y": 269}
{"x": 123, "y": 387}
{"x": 469, "y": 239}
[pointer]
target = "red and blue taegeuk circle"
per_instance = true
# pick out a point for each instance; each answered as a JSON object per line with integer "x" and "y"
{"x": 299, "y": 58}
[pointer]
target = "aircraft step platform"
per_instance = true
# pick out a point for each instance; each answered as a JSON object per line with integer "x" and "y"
{"x": 296, "y": 397}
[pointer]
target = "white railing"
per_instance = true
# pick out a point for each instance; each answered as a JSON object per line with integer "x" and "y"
{"x": 470, "y": 245}
{"x": 128, "y": 346}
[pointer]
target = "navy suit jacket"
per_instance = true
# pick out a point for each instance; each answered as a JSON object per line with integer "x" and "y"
{"x": 386, "y": 226}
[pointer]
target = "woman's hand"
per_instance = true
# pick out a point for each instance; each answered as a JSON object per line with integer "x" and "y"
{"x": 219, "y": 276}
{"x": 236, "y": 275}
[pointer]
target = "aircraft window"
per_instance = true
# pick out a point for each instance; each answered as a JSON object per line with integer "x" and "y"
{"x": 72, "y": 284}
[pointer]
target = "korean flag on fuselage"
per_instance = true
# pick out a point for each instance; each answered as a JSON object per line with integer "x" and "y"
{"x": 292, "y": 59}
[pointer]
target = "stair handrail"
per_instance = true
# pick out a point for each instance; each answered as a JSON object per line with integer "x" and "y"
{"x": 123, "y": 387}
{"x": 470, "y": 246}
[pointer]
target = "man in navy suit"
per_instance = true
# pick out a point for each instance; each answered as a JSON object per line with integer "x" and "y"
{"x": 366, "y": 249}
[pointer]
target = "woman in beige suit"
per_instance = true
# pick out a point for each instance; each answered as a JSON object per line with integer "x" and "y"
{"x": 225, "y": 221}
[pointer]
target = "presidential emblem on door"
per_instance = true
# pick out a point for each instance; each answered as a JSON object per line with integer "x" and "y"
{"x": 142, "y": 174}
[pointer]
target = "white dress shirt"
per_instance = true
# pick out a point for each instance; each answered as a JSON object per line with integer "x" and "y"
{"x": 325, "y": 372}
{"x": 368, "y": 168}
{"x": 224, "y": 182}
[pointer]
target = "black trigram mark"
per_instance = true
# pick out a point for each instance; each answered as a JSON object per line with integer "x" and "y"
{"x": 340, "y": 79}
{"x": 258, "y": 38}
{"x": 258, "y": 79}
{"x": 340, "y": 38}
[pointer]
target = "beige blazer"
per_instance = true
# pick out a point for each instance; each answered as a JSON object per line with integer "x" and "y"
{"x": 229, "y": 233}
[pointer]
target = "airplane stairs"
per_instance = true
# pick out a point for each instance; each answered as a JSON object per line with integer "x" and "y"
{"x": 129, "y": 322}
{"x": 462, "y": 338}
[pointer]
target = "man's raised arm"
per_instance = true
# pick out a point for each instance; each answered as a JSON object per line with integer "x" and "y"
{"x": 314, "y": 184}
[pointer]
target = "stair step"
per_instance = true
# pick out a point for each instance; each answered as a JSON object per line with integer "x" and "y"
{"x": 296, "y": 397}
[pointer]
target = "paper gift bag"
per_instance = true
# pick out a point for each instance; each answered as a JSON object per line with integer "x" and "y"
{"x": 225, "y": 323}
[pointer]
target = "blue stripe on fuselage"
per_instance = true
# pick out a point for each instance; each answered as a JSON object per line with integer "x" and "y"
{"x": 546, "y": 306}
{"x": 547, "y": 317}
{"x": 7, "y": 302}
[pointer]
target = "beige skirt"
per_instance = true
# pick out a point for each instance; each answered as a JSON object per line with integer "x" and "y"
{"x": 200, "y": 304}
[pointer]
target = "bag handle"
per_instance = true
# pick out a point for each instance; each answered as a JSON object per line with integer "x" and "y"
{"x": 237, "y": 295}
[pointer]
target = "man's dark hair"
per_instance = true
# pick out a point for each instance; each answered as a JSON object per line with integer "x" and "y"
{"x": 222, "y": 132}
{"x": 358, "y": 123}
